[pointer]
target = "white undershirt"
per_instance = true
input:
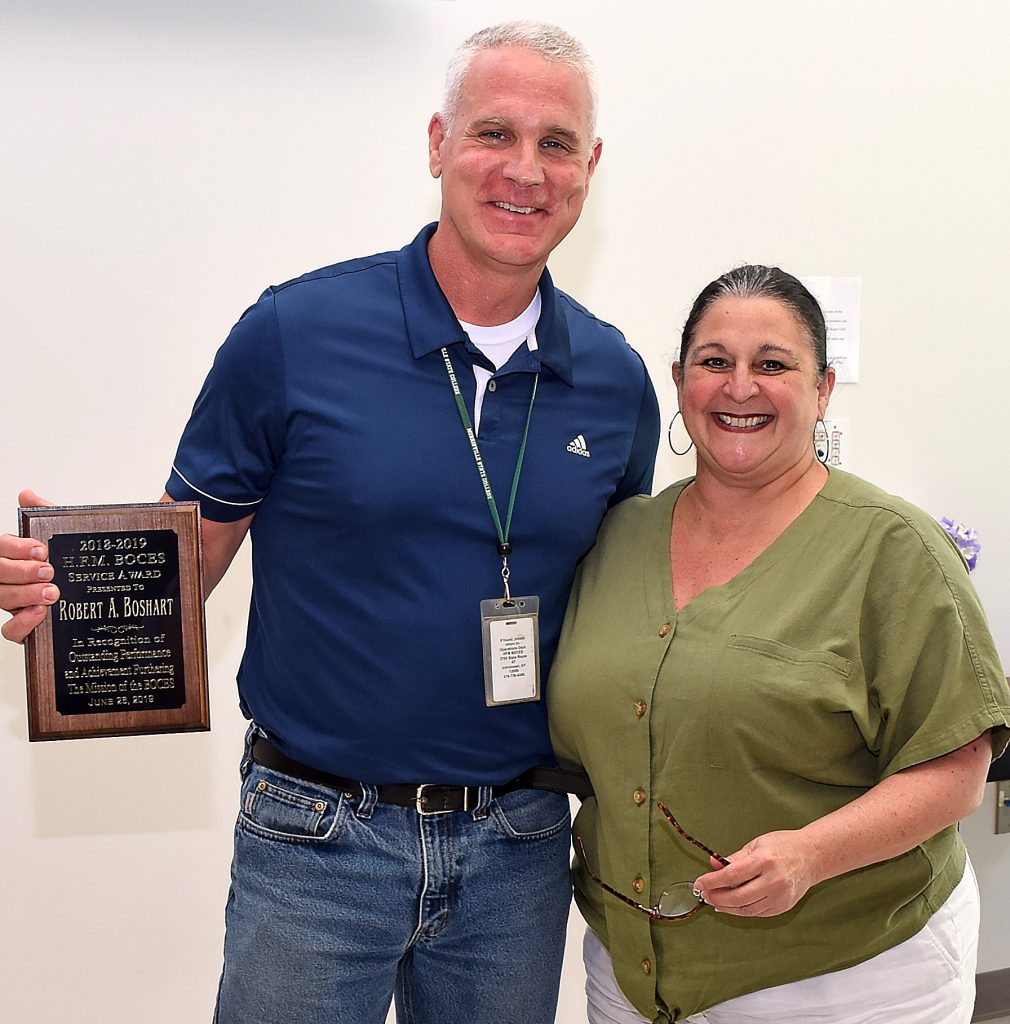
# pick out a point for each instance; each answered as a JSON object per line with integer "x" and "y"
{"x": 498, "y": 344}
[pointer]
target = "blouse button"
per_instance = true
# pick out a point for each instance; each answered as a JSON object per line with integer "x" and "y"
{"x": 641, "y": 707}
{"x": 492, "y": 385}
{"x": 647, "y": 966}
{"x": 639, "y": 796}
{"x": 638, "y": 885}
{"x": 664, "y": 629}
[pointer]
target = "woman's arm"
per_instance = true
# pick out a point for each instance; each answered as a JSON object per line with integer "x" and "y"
{"x": 773, "y": 872}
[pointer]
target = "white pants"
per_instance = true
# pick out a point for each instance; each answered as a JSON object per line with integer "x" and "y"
{"x": 928, "y": 979}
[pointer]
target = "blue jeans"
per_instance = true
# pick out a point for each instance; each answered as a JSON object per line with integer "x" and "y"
{"x": 339, "y": 903}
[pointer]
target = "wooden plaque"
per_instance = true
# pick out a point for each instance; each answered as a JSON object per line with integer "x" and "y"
{"x": 123, "y": 650}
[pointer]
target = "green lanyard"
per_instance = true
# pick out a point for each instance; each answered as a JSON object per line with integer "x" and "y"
{"x": 504, "y": 547}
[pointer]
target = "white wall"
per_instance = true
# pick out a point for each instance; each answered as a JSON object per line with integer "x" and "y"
{"x": 164, "y": 162}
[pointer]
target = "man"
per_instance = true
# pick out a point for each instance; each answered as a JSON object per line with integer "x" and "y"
{"x": 389, "y": 840}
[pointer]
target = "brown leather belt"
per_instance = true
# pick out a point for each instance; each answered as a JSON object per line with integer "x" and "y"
{"x": 426, "y": 798}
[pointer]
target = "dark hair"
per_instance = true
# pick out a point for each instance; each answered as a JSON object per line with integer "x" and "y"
{"x": 757, "y": 282}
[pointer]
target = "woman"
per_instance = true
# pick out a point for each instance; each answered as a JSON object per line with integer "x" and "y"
{"x": 794, "y": 665}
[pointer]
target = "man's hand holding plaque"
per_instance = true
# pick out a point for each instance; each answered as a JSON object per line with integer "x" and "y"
{"x": 122, "y": 649}
{"x": 26, "y": 586}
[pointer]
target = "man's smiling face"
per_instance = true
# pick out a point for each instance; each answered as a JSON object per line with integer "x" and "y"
{"x": 516, "y": 164}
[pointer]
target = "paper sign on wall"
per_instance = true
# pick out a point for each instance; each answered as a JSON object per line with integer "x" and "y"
{"x": 839, "y": 299}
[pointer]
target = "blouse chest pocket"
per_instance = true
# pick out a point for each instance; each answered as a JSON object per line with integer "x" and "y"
{"x": 781, "y": 708}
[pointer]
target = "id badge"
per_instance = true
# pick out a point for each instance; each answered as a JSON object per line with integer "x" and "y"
{"x": 511, "y": 633}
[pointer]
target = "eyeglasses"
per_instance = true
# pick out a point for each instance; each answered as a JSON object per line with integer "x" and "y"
{"x": 677, "y": 901}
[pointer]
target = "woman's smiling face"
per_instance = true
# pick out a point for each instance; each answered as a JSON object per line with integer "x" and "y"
{"x": 749, "y": 390}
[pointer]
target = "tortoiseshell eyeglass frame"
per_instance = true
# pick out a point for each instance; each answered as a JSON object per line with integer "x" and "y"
{"x": 654, "y": 912}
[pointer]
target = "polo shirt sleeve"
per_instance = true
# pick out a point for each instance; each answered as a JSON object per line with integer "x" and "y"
{"x": 932, "y": 670}
{"x": 637, "y": 477}
{"x": 232, "y": 443}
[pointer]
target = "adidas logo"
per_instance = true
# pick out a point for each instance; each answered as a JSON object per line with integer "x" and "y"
{"x": 577, "y": 446}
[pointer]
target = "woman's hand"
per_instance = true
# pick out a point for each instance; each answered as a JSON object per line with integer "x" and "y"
{"x": 768, "y": 876}
{"x": 772, "y": 873}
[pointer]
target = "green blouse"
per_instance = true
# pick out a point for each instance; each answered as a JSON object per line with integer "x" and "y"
{"x": 852, "y": 647}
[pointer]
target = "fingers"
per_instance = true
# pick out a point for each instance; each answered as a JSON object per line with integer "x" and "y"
{"x": 725, "y": 896}
{"x": 767, "y": 877}
{"x": 17, "y": 572}
{"x": 25, "y": 575}
{"x": 29, "y": 499}
{"x": 740, "y": 869}
{"x": 26, "y": 587}
{"x": 14, "y": 598}
{"x": 21, "y": 625}
{"x": 748, "y": 899}
{"x": 21, "y": 548}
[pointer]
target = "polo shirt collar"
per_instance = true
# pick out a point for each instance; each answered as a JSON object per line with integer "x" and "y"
{"x": 431, "y": 322}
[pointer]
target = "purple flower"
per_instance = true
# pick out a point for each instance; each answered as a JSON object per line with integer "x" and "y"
{"x": 966, "y": 540}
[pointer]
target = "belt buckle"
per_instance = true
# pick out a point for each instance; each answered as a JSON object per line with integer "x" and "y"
{"x": 420, "y": 796}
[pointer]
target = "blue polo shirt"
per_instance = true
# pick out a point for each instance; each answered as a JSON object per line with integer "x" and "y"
{"x": 329, "y": 414}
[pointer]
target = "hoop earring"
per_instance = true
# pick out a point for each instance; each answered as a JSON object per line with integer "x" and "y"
{"x": 669, "y": 436}
{"x": 822, "y": 450}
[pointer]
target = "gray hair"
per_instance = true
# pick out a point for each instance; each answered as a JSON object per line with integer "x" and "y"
{"x": 549, "y": 41}
{"x": 757, "y": 282}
